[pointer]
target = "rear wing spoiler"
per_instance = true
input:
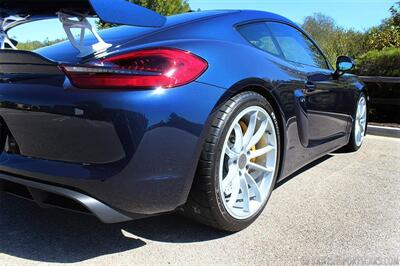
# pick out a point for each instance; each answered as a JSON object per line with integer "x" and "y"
{"x": 122, "y": 12}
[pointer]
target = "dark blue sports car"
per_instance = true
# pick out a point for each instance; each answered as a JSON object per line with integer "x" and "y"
{"x": 201, "y": 113}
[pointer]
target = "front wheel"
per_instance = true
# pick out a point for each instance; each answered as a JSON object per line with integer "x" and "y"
{"x": 359, "y": 125}
{"x": 239, "y": 164}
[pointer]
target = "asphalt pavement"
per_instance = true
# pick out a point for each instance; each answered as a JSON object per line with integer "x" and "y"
{"x": 343, "y": 210}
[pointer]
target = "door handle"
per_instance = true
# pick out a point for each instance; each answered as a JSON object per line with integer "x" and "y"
{"x": 310, "y": 87}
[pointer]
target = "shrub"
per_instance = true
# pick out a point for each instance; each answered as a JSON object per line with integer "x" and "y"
{"x": 379, "y": 63}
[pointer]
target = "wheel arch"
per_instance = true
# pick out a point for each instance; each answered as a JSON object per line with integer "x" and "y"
{"x": 265, "y": 89}
{"x": 255, "y": 85}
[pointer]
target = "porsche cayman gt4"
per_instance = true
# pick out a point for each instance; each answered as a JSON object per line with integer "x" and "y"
{"x": 201, "y": 113}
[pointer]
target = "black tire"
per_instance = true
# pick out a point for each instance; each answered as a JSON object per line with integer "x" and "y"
{"x": 352, "y": 145}
{"x": 204, "y": 203}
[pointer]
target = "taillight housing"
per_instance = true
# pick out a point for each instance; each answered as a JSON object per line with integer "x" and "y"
{"x": 152, "y": 68}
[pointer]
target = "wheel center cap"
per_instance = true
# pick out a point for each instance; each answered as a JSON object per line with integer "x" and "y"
{"x": 242, "y": 161}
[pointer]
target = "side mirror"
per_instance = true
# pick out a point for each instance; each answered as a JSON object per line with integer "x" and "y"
{"x": 344, "y": 64}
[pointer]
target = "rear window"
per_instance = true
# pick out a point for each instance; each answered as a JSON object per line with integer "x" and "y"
{"x": 260, "y": 36}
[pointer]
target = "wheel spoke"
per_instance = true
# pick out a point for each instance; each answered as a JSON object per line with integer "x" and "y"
{"x": 250, "y": 129}
{"x": 262, "y": 151}
{"x": 258, "y": 135}
{"x": 359, "y": 136}
{"x": 235, "y": 192}
{"x": 232, "y": 173}
{"x": 237, "y": 147}
{"x": 362, "y": 125}
{"x": 260, "y": 167}
{"x": 245, "y": 193}
{"x": 364, "y": 109}
{"x": 256, "y": 173}
{"x": 231, "y": 154}
{"x": 254, "y": 187}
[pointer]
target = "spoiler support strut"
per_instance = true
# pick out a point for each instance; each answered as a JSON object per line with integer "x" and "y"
{"x": 73, "y": 14}
{"x": 6, "y": 24}
{"x": 79, "y": 21}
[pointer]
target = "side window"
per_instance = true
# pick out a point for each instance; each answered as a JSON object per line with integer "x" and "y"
{"x": 296, "y": 46}
{"x": 259, "y": 35}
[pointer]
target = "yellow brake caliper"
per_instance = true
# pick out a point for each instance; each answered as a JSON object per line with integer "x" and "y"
{"x": 244, "y": 129}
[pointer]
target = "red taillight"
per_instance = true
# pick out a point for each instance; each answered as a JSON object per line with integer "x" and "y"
{"x": 163, "y": 67}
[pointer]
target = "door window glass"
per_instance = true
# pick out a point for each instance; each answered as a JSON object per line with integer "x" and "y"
{"x": 296, "y": 46}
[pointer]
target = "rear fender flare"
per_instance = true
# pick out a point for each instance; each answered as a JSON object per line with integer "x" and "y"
{"x": 251, "y": 84}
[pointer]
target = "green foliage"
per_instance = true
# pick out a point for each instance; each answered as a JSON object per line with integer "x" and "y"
{"x": 334, "y": 40}
{"x": 388, "y": 33}
{"x": 383, "y": 41}
{"x": 166, "y": 8}
{"x": 380, "y": 63}
{"x": 33, "y": 45}
{"x": 395, "y": 11}
{"x": 377, "y": 51}
{"x": 163, "y": 7}
{"x": 29, "y": 45}
{"x": 386, "y": 37}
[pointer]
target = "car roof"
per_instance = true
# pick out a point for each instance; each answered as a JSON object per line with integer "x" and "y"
{"x": 190, "y": 16}
{"x": 241, "y": 15}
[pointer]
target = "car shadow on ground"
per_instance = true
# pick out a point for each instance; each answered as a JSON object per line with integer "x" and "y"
{"x": 51, "y": 235}
{"x": 304, "y": 169}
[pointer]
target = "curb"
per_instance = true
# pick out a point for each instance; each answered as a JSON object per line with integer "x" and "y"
{"x": 384, "y": 131}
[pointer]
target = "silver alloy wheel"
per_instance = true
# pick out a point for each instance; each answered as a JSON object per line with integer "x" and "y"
{"x": 248, "y": 163}
{"x": 361, "y": 121}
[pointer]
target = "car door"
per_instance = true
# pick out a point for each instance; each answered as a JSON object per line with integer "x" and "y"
{"x": 321, "y": 96}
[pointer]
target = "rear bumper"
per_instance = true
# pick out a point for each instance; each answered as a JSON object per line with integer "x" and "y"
{"x": 51, "y": 196}
{"x": 134, "y": 151}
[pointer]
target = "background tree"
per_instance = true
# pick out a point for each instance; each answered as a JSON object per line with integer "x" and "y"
{"x": 33, "y": 45}
{"x": 388, "y": 33}
{"x": 334, "y": 40}
{"x": 163, "y": 7}
{"x": 395, "y": 10}
{"x": 377, "y": 51}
